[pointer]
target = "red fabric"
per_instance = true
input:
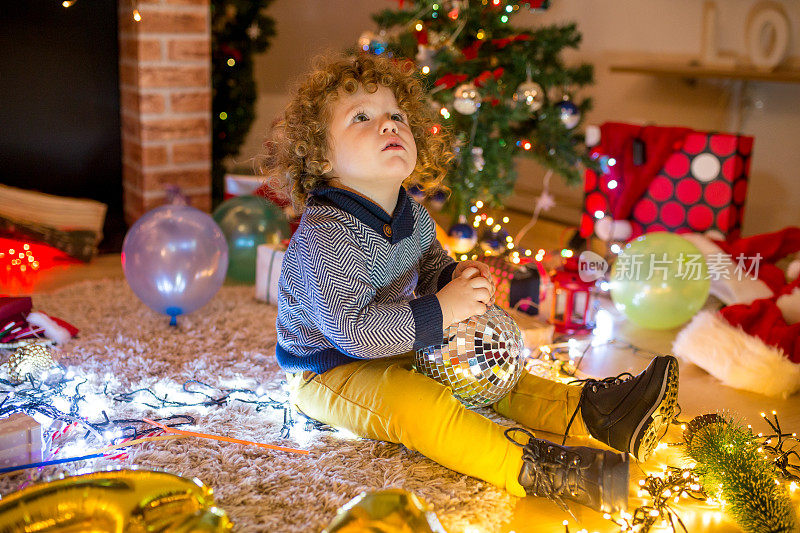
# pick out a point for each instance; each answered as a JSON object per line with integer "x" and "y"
{"x": 617, "y": 142}
{"x": 265, "y": 191}
{"x": 14, "y": 308}
{"x": 763, "y": 319}
{"x": 771, "y": 247}
{"x": 73, "y": 331}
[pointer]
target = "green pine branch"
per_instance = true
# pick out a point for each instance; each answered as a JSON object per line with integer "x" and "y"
{"x": 239, "y": 30}
{"x": 731, "y": 465}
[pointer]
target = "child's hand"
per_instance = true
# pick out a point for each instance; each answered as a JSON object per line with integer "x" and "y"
{"x": 483, "y": 270}
{"x": 467, "y": 295}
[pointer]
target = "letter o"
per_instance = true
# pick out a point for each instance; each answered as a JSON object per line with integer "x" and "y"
{"x": 767, "y": 17}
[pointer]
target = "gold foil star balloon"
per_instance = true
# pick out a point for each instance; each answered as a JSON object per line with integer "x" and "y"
{"x": 385, "y": 511}
{"x": 133, "y": 501}
{"x": 480, "y": 359}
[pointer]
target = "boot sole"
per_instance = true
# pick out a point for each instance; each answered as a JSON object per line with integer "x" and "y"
{"x": 647, "y": 435}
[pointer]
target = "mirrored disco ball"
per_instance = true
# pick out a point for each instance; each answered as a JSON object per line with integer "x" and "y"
{"x": 479, "y": 358}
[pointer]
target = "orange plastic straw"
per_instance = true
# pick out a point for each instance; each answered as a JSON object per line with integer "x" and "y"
{"x": 224, "y": 439}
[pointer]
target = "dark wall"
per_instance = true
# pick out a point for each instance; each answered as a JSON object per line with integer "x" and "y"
{"x": 59, "y": 102}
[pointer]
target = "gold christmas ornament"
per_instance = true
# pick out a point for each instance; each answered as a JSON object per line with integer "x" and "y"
{"x": 120, "y": 500}
{"x": 385, "y": 511}
{"x": 480, "y": 359}
{"x": 33, "y": 358}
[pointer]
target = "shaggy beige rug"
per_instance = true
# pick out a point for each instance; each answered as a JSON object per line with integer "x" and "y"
{"x": 231, "y": 343}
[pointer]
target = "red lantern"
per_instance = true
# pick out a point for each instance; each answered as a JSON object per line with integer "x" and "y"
{"x": 570, "y": 300}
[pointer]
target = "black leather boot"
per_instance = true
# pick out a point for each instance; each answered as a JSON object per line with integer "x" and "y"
{"x": 592, "y": 477}
{"x": 631, "y": 413}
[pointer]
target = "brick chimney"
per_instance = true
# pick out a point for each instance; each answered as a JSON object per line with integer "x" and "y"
{"x": 165, "y": 101}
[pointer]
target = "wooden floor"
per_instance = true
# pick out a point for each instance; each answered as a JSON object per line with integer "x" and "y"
{"x": 699, "y": 393}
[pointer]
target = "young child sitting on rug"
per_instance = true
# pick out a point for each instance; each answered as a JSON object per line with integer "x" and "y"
{"x": 364, "y": 283}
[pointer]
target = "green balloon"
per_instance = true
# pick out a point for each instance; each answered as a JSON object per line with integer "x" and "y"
{"x": 659, "y": 281}
{"x": 248, "y": 221}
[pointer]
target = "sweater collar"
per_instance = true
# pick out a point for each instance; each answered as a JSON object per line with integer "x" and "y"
{"x": 393, "y": 228}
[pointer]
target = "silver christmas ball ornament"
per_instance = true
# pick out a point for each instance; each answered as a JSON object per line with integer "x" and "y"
{"x": 466, "y": 99}
{"x": 530, "y": 94}
{"x": 480, "y": 359}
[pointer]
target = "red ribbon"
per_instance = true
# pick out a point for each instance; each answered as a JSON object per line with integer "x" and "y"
{"x": 451, "y": 80}
{"x": 471, "y": 51}
{"x": 484, "y": 76}
{"x": 502, "y": 43}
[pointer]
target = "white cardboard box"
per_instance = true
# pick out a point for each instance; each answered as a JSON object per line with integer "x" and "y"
{"x": 268, "y": 270}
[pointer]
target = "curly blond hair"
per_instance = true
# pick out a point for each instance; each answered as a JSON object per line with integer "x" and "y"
{"x": 299, "y": 143}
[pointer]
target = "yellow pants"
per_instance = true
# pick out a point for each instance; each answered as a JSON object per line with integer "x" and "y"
{"x": 385, "y": 399}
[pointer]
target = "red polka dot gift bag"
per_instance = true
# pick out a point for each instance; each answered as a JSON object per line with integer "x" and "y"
{"x": 656, "y": 178}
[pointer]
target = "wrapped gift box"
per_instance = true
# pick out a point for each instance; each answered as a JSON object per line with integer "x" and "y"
{"x": 514, "y": 284}
{"x": 268, "y": 271}
{"x": 20, "y": 441}
{"x": 666, "y": 179}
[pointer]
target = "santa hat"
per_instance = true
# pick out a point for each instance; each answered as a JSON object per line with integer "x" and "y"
{"x": 753, "y": 343}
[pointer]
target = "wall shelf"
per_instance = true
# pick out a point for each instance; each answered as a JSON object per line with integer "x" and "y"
{"x": 692, "y": 70}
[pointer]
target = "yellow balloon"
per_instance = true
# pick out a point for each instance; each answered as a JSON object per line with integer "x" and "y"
{"x": 119, "y": 500}
{"x": 385, "y": 511}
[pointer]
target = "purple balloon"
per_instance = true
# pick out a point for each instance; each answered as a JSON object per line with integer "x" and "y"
{"x": 175, "y": 258}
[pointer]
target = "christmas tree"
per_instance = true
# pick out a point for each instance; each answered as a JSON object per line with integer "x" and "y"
{"x": 239, "y": 29}
{"x": 502, "y": 91}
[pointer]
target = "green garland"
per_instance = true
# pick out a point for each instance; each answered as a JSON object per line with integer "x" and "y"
{"x": 732, "y": 465}
{"x": 471, "y": 38}
{"x": 239, "y": 29}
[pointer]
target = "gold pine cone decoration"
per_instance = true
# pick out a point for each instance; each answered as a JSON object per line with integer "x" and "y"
{"x": 34, "y": 359}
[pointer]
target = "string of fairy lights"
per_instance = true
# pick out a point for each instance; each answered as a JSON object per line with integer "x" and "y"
{"x": 64, "y": 401}
{"x": 134, "y": 6}
{"x": 662, "y": 491}
{"x": 78, "y": 427}
{"x": 79, "y": 415}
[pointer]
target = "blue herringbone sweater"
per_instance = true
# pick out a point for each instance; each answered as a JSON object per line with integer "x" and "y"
{"x": 357, "y": 284}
